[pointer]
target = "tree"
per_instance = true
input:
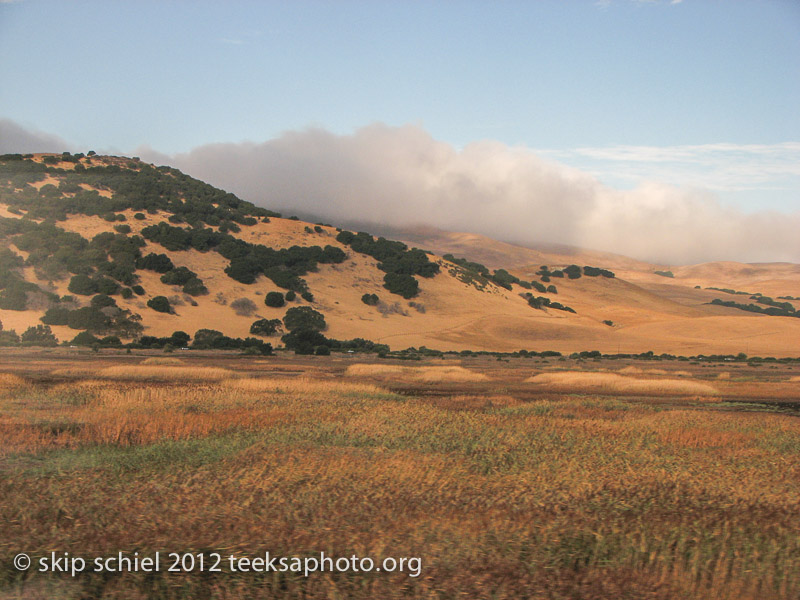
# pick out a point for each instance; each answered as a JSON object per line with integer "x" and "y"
{"x": 160, "y": 304}
{"x": 179, "y": 338}
{"x": 274, "y": 299}
{"x": 266, "y": 327}
{"x": 39, "y": 335}
{"x": 160, "y": 263}
{"x": 82, "y": 285}
{"x": 304, "y": 341}
{"x": 401, "y": 284}
{"x": 304, "y": 318}
{"x": 84, "y": 338}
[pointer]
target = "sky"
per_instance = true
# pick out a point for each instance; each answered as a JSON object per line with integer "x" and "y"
{"x": 668, "y": 130}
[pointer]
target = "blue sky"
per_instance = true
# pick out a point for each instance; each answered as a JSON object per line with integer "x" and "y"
{"x": 700, "y": 94}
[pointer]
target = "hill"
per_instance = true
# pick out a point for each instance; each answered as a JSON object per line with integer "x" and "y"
{"x": 118, "y": 248}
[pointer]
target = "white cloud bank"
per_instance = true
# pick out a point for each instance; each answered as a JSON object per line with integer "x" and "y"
{"x": 402, "y": 176}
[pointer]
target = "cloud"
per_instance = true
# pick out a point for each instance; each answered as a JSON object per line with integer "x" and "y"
{"x": 719, "y": 167}
{"x": 402, "y": 176}
{"x": 14, "y": 138}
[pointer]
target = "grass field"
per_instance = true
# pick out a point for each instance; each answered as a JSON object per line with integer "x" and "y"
{"x": 559, "y": 487}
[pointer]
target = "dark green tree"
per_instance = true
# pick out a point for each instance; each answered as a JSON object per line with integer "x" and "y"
{"x": 274, "y": 299}
{"x": 159, "y": 304}
{"x": 304, "y": 318}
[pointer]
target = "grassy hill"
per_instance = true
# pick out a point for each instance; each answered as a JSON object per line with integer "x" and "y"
{"x": 115, "y": 247}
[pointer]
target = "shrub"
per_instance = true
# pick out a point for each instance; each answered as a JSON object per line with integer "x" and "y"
{"x": 370, "y": 299}
{"x": 138, "y": 290}
{"x": 307, "y": 296}
{"x": 195, "y": 287}
{"x": 102, "y": 300}
{"x": 9, "y": 338}
{"x": 160, "y": 304}
{"x": 244, "y": 307}
{"x": 291, "y": 295}
{"x": 122, "y": 228}
{"x": 274, "y": 299}
{"x": 178, "y": 276}
{"x": 107, "y": 286}
{"x": 139, "y": 216}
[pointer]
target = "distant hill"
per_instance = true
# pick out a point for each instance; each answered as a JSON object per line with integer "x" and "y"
{"x": 104, "y": 247}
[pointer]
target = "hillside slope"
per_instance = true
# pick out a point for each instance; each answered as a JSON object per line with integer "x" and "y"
{"x": 88, "y": 223}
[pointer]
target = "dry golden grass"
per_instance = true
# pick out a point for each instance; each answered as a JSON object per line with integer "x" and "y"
{"x": 611, "y": 383}
{"x": 150, "y": 372}
{"x": 566, "y": 498}
{"x": 162, "y": 360}
{"x": 631, "y": 370}
{"x": 417, "y": 374}
{"x": 300, "y": 386}
{"x": 794, "y": 379}
{"x": 9, "y": 380}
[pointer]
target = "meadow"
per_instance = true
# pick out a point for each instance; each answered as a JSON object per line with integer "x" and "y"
{"x": 508, "y": 479}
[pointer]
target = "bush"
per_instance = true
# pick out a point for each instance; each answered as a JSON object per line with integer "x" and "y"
{"x": 244, "y": 307}
{"x": 122, "y": 228}
{"x": 102, "y": 300}
{"x": 307, "y": 296}
{"x": 195, "y": 287}
{"x": 178, "y": 276}
{"x": 9, "y": 338}
{"x": 274, "y": 299}
{"x": 291, "y": 295}
{"x": 160, "y": 304}
{"x": 370, "y": 299}
{"x": 304, "y": 318}
{"x": 322, "y": 351}
{"x": 139, "y": 216}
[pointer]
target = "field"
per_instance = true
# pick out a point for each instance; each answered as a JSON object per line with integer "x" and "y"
{"x": 518, "y": 478}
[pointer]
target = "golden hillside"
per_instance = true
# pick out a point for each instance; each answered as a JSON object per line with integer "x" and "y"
{"x": 455, "y": 309}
